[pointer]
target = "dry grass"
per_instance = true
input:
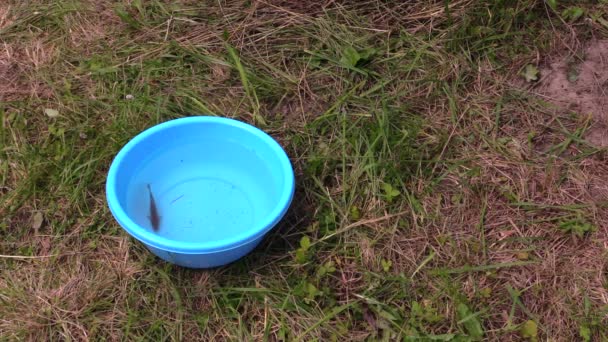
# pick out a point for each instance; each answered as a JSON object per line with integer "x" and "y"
{"x": 18, "y": 67}
{"x": 97, "y": 23}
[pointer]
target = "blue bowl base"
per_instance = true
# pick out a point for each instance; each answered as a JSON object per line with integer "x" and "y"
{"x": 202, "y": 261}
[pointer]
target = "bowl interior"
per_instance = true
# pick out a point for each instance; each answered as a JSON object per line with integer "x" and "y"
{"x": 215, "y": 182}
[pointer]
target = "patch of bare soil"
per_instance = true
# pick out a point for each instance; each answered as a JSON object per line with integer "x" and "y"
{"x": 581, "y": 85}
{"x": 5, "y": 17}
{"x": 16, "y": 63}
{"x": 98, "y": 23}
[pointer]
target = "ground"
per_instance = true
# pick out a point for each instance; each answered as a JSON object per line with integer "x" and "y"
{"x": 450, "y": 157}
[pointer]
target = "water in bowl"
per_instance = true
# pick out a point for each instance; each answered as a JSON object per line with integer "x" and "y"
{"x": 204, "y": 191}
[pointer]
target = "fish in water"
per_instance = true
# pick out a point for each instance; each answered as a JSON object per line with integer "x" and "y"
{"x": 154, "y": 218}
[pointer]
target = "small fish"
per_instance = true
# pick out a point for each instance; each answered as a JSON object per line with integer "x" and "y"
{"x": 154, "y": 218}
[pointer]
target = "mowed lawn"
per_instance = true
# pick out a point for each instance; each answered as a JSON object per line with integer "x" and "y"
{"x": 443, "y": 193}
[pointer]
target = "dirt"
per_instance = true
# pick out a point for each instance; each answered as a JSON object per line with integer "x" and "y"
{"x": 580, "y": 84}
{"x": 8, "y": 74}
{"x": 17, "y": 64}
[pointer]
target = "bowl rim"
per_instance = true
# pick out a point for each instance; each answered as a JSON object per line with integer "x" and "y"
{"x": 260, "y": 227}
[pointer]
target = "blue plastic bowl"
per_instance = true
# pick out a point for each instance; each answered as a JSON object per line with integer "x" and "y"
{"x": 219, "y": 186}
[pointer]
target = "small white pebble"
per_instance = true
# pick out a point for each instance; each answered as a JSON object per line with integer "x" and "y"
{"x": 129, "y": 97}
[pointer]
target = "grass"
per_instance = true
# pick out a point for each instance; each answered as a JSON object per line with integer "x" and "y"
{"x": 438, "y": 197}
